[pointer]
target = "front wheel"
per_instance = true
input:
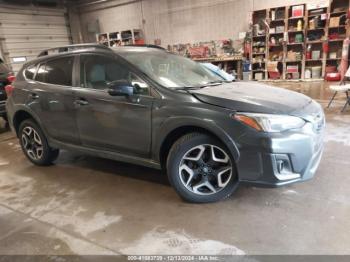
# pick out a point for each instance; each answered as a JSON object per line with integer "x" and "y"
{"x": 201, "y": 169}
{"x": 34, "y": 144}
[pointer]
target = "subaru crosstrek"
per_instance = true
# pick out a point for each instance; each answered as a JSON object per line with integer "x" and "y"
{"x": 146, "y": 106}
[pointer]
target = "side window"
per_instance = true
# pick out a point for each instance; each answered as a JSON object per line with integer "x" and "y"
{"x": 59, "y": 71}
{"x": 41, "y": 74}
{"x": 99, "y": 71}
{"x": 30, "y": 72}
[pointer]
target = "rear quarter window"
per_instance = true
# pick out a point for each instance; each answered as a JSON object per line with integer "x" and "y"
{"x": 29, "y": 72}
{"x": 41, "y": 74}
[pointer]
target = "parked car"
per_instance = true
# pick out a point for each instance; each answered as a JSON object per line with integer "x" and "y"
{"x": 145, "y": 106}
{"x": 4, "y": 74}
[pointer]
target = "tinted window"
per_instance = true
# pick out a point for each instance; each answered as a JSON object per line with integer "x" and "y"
{"x": 30, "y": 72}
{"x": 57, "y": 72}
{"x": 98, "y": 71}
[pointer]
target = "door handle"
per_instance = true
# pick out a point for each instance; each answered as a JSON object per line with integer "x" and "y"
{"x": 34, "y": 96}
{"x": 81, "y": 102}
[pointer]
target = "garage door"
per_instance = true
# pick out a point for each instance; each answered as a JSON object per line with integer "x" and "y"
{"x": 26, "y": 30}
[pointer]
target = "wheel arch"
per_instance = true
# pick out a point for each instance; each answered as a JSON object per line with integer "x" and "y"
{"x": 173, "y": 131}
{"x": 20, "y": 116}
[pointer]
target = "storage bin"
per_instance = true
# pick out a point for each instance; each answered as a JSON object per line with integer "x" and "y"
{"x": 316, "y": 72}
{"x": 316, "y": 55}
{"x": 246, "y": 76}
{"x": 246, "y": 66}
{"x": 258, "y": 76}
{"x": 274, "y": 75}
{"x": 308, "y": 73}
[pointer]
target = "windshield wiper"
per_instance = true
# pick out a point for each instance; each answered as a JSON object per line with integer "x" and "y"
{"x": 215, "y": 82}
{"x": 188, "y": 88}
{"x": 211, "y": 83}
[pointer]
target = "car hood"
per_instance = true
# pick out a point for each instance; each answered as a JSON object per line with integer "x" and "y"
{"x": 253, "y": 97}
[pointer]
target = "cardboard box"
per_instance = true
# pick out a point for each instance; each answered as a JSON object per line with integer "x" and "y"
{"x": 334, "y": 21}
{"x": 279, "y": 29}
{"x": 258, "y": 76}
{"x": 272, "y": 66}
{"x": 291, "y": 56}
{"x": 333, "y": 55}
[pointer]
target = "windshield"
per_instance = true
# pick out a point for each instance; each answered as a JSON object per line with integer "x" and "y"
{"x": 172, "y": 71}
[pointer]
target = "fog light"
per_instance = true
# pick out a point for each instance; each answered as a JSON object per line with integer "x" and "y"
{"x": 280, "y": 166}
{"x": 283, "y": 168}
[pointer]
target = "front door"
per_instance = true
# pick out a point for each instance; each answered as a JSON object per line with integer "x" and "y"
{"x": 113, "y": 123}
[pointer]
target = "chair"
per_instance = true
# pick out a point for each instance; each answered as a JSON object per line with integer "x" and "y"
{"x": 342, "y": 88}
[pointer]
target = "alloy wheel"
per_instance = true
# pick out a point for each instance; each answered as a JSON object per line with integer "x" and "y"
{"x": 205, "y": 169}
{"x": 32, "y": 143}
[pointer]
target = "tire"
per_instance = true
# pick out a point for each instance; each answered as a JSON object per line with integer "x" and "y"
{"x": 30, "y": 135}
{"x": 215, "y": 162}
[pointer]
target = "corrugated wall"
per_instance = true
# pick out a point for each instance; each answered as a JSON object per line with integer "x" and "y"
{"x": 26, "y": 30}
{"x": 177, "y": 21}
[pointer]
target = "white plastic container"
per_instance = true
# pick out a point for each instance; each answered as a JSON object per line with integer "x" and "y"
{"x": 316, "y": 72}
{"x": 316, "y": 54}
{"x": 308, "y": 73}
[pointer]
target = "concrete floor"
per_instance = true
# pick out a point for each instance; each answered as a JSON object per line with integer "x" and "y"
{"x": 86, "y": 205}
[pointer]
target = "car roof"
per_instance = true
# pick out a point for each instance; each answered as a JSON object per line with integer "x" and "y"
{"x": 91, "y": 48}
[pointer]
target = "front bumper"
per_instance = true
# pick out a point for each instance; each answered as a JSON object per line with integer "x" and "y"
{"x": 280, "y": 159}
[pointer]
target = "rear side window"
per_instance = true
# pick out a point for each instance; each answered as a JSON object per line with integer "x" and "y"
{"x": 41, "y": 74}
{"x": 57, "y": 72}
{"x": 30, "y": 72}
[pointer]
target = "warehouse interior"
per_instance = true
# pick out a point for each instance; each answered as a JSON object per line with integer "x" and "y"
{"x": 88, "y": 205}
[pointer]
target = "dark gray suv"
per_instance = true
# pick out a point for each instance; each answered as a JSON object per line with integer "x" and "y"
{"x": 145, "y": 106}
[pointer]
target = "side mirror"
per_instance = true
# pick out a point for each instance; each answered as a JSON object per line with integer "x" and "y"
{"x": 120, "y": 88}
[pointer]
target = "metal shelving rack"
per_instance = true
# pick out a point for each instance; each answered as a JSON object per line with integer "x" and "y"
{"x": 288, "y": 20}
{"x": 126, "y": 37}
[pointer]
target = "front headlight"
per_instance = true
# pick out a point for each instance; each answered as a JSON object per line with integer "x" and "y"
{"x": 270, "y": 123}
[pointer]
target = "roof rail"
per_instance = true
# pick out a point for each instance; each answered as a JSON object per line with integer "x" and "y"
{"x": 149, "y": 46}
{"x": 68, "y": 48}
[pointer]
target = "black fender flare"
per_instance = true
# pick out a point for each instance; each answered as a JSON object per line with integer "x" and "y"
{"x": 30, "y": 112}
{"x": 172, "y": 123}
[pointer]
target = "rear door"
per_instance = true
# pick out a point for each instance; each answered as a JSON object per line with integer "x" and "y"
{"x": 51, "y": 98}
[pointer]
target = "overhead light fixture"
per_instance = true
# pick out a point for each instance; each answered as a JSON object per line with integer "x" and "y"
{"x": 19, "y": 59}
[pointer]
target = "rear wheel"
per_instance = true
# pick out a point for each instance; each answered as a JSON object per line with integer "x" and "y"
{"x": 201, "y": 169}
{"x": 34, "y": 144}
